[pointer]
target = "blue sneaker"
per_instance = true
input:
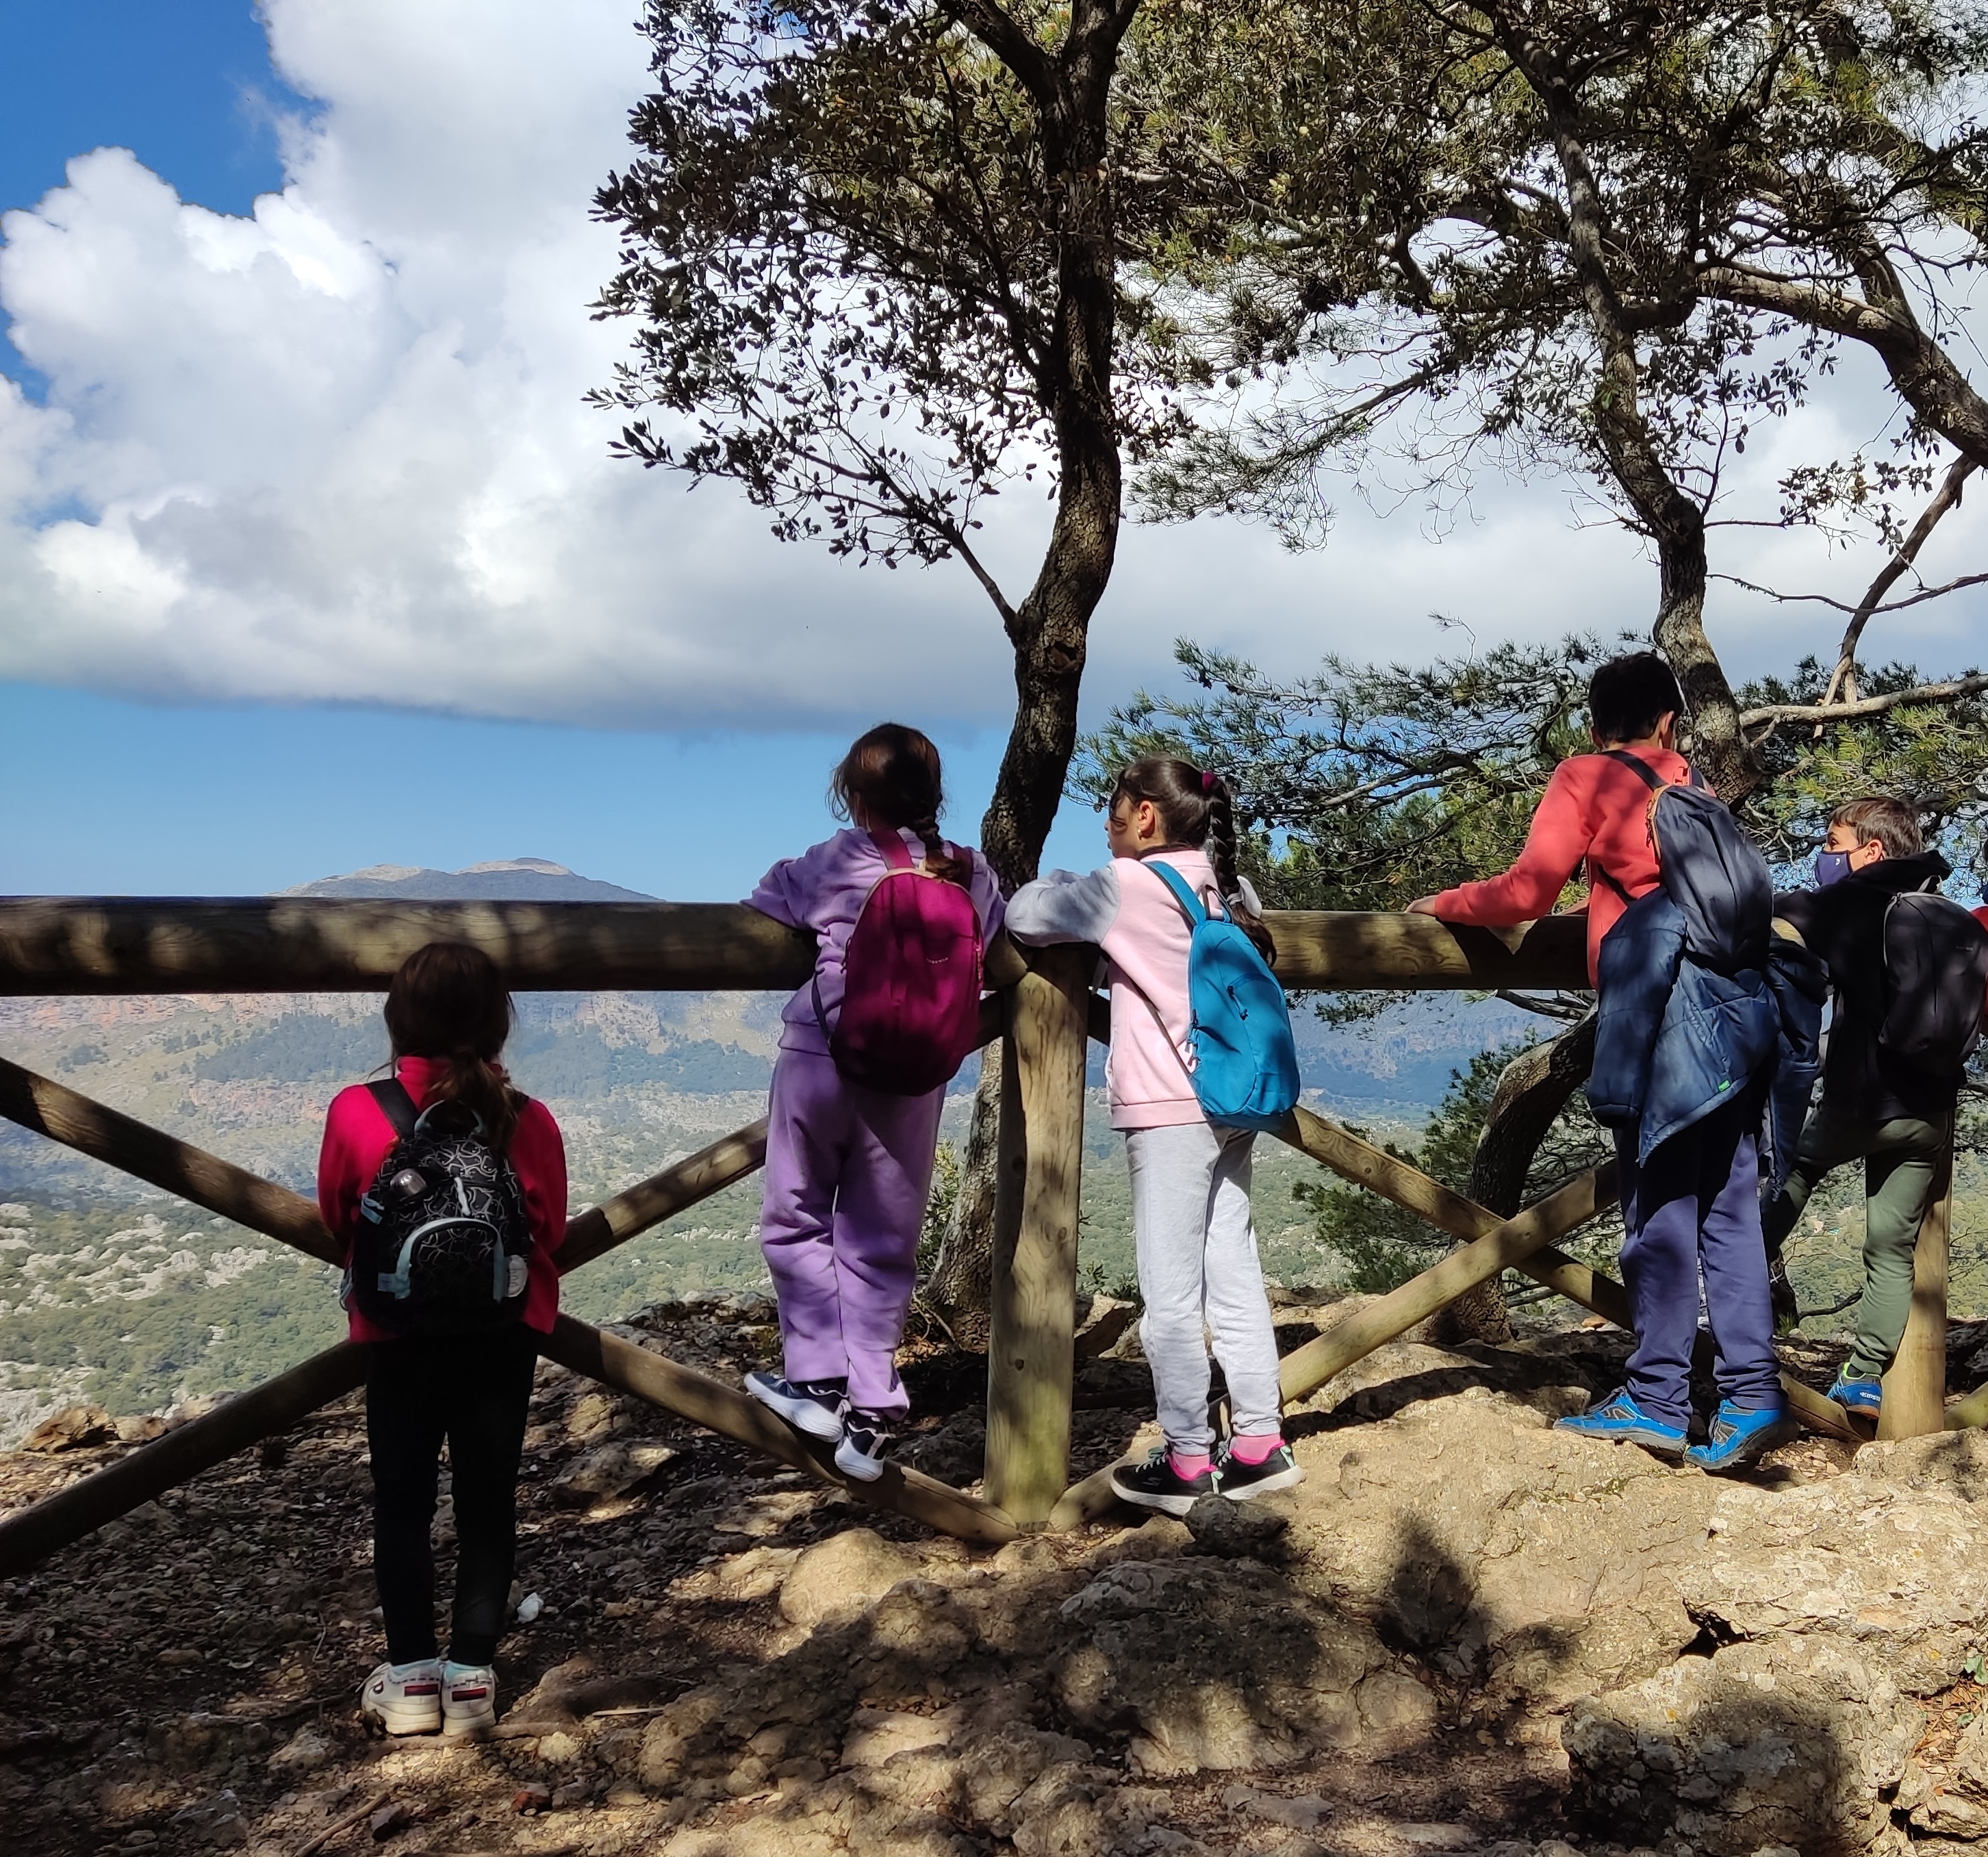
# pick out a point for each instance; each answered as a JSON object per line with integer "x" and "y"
{"x": 1862, "y": 1397}
{"x": 1740, "y": 1439}
{"x": 1619, "y": 1417}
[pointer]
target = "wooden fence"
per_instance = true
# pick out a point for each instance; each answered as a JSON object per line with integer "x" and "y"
{"x": 1042, "y": 1009}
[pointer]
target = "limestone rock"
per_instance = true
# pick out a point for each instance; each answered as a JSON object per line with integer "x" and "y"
{"x": 1872, "y": 1564}
{"x": 612, "y": 1470}
{"x": 304, "y": 1752}
{"x": 1468, "y": 1529}
{"x": 842, "y": 1576}
{"x": 1221, "y": 1670}
{"x": 1789, "y": 1743}
{"x": 1251, "y": 1530}
{"x": 71, "y": 1430}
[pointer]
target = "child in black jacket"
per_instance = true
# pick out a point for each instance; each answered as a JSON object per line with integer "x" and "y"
{"x": 1875, "y": 1107}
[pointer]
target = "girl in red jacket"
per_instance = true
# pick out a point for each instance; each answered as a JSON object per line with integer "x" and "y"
{"x": 448, "y": 1014}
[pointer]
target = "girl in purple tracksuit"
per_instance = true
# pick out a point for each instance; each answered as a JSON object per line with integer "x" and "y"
{"x": 848, "y": 1168}
{"x": 1192, "y": 1231}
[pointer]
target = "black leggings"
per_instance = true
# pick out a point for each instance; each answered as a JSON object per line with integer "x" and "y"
{"x": 473, "y": 1391}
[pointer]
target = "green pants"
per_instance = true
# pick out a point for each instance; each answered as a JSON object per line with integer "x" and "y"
{"x": 1900, "y": 1160}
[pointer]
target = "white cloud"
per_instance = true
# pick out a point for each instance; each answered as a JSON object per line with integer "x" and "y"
{"x": 337, "y": 450}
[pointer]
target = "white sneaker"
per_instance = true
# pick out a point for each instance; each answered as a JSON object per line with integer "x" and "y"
{"x": 468, "y": 1701}
{"x": 405, "y": 1698}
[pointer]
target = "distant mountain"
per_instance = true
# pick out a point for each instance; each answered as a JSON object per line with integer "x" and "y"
{"x": 517, "y": 880}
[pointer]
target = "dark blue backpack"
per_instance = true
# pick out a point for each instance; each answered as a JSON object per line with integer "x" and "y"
{"x": 1245, "y": 1062}
{"x": 1710, "y": 869}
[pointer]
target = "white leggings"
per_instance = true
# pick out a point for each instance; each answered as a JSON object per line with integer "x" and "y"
{"x": 1199, "y": 1276}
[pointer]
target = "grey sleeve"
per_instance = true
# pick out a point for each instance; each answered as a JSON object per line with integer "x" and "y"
{"x": 1064, "y": 907}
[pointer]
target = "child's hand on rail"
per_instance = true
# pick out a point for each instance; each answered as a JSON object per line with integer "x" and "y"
{"x": 1422, "y": 906}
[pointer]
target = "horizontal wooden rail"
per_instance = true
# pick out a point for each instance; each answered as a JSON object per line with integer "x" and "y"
{"x": 307, "y": 944}
{"x": 310, "y": 944}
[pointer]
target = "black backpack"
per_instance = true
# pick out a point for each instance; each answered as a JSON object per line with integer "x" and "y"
{"x": 1710, "y": 869}
{"x": 444, "y": 1242}
{"x": 1935, "y": 983}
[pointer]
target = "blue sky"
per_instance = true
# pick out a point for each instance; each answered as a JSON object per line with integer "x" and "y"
{"x": 106, "y": 795}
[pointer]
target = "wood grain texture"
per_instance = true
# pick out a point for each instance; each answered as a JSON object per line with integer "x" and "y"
{"x": 32, "y": 1534}
{"x": 1507, "y": 1243}
{"x": 1343, "y": 948}
{"x": 311, "y": 944}
{"x": 736, "y": 1415}
{"x": 1032, "y": 1315}
{"x": 282, "y": 944}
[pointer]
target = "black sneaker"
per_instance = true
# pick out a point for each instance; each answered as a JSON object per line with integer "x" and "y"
{"x": 1781, "y": 1295}
{"x": 1155, "y": 1484}
{"x": 866, "y": 1442}
{"x": 1239, "y": 1481}
{"x": 812, "y": 1406}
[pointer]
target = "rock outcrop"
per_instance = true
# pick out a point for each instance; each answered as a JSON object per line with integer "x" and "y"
{"x": 1465, "y": 1631}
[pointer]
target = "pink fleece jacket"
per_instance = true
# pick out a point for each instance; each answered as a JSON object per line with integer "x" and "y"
{"x": 1131, "y": 915}
{"x": 357, "y": 1137}
{"x": 824, "y": 890}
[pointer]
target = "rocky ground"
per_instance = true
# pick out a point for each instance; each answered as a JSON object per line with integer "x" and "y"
{"x": 1465, "y": 1632}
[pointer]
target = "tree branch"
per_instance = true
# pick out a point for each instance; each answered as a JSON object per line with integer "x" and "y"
{"x": 1954, "y": 690}
{"x": 1844, "y": 677}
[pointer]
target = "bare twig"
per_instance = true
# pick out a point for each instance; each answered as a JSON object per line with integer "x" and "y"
{"x": 1844, "y": 677}
{"x": 344, "y": 1825}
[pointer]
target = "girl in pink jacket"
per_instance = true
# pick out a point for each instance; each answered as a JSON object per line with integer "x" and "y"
{"x": 1198, "y": 1272}
{"x": 849, "y": 1168}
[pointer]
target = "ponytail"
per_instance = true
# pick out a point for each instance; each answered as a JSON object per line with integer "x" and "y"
{"x": 1197, "y": 810}
{"x": 448, "y": 1000}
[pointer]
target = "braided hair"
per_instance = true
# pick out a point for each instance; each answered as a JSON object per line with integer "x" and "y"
{"x": 893, "y": 772}
{"x": 1197, "y": 810}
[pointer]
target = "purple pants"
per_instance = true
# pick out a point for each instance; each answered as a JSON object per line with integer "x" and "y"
{"x": 1696, "y": 1206}
{"x": 848, "y": 1171}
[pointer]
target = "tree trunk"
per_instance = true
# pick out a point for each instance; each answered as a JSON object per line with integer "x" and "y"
{"x": 961, "y": 1282}
{"x": 1532, "y": 1090}
{"x": 1049, "y": 630}
{"x": 1672, "y": 520}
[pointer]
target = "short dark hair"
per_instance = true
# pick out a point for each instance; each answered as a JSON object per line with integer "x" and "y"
{"x": 1627, "y": 697}
{"x": 1895, "y": 824}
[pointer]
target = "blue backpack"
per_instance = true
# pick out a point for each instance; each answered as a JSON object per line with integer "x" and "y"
{"x": 1245, "y": 1062}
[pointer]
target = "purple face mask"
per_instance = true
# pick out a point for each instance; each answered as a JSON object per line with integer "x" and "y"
{"x": 1831, "y": 867}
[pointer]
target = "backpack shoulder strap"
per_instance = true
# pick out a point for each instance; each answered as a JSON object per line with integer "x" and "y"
{"x": 897, "y": 854}
{"x": 396, "y": 1105}
{"x": 1191, "y": 906}
{"x": 1643, "y": 770}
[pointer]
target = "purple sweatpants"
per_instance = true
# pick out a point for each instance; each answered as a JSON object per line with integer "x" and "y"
{"x": 848, "y": 1171}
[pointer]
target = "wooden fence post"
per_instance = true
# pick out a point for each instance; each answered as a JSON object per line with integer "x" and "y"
{"x": 1915, "y": 1388}
{"x": 1033, "y": 1318}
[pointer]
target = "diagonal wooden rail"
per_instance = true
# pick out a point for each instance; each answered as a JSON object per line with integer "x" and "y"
{"x": 1492, "y": 1245}
{"x": 92, "y": 1127}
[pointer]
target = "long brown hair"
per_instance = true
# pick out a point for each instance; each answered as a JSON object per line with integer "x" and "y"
{"x": 1196, "y": 809}
{"x": 894, "y": 772}
{"x": 449, "y": 1000}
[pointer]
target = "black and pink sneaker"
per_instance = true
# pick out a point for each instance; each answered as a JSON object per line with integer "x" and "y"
{"x": 1239, "y": 1481}
{"x": 1156, "y": 1484}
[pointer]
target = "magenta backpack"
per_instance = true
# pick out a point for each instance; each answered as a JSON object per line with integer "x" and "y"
{"x": 911, "y": 995}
